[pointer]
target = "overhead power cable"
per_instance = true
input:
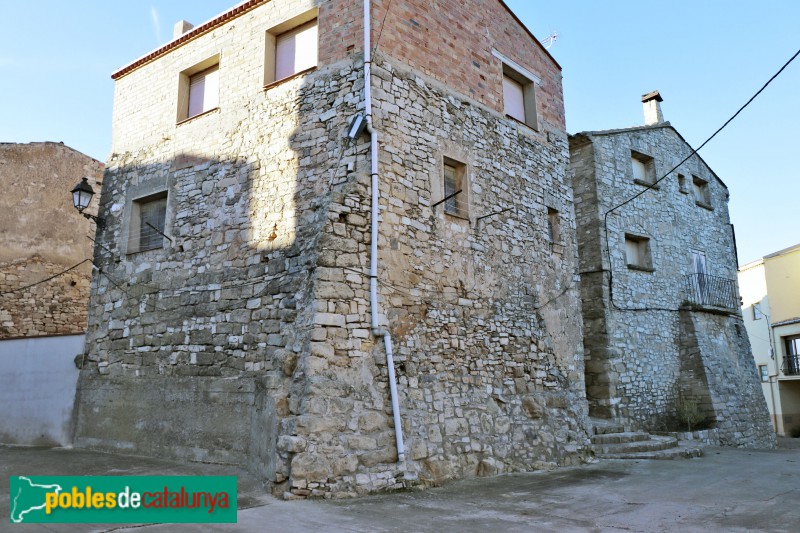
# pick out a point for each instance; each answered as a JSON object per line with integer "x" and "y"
{"x": 18, "y": 289}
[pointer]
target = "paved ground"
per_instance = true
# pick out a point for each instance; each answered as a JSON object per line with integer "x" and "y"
{"x": 727, "y": 490}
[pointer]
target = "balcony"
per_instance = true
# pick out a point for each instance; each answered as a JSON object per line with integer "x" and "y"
{"x": 791, "y": 365}
{"x": 711, "y": 291}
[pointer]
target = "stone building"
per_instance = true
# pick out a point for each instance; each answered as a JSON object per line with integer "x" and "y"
{"x": 244, "y": 313}
{"x": 41, "y": 234}
{"x": 45, "y": 270}
{"x": 663, "y": 332}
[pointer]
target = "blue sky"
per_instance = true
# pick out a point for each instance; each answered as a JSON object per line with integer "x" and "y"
{"x": 706, "y": 57}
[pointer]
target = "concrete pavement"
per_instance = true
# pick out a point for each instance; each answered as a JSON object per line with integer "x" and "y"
{"x": 727, "y": 490}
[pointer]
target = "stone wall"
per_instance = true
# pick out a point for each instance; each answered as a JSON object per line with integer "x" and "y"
{"x": 263, "y": 276}
{"x": 638, "y": 363}
{"x": 42, "y": 235}
{"x": 55, "y": 307}
{"x": 484, "y": 316}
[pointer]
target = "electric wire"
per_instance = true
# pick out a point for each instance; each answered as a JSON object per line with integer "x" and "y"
{"x": 380, "y": 32}
{"x": 18, "y": 289}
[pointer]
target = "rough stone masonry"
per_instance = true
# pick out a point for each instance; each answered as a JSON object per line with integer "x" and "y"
{"x": 670, "y": 335}
{"x": 245, "y": 336}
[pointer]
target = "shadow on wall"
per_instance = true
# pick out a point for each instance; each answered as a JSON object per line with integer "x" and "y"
{"x": 202, "y": 308}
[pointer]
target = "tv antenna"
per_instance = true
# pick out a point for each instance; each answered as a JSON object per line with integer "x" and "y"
{"x": 549, "y": 40}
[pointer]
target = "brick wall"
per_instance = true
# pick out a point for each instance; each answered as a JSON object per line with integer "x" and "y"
{"x": 452, "y": 41}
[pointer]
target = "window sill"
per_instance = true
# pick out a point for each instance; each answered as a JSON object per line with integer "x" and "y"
{"x": 704, "y": 205}
{"x": 684, "y": 191}
{"x": 518, "y": 121}
{"x": 288, "y": 78}
{"x": 460, "y": 216}
{"x": 648, "y": 184}
{"x": 641, "y": 268}
{"x": 204, "y": 113}
{"x": 557, "y": 249}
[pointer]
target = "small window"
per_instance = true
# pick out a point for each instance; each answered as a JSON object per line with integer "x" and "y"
{"x": 553, "y": 226}
{"x": 701, "y": 192}
{"x": 198, "y": 89}
{"x": 757, "y": 314}
{"x": 682, "y": 184}
{"x": 292, "y": 48}
{"x": 148, "y": 218}
{"x": 519, "y": 97}
{"x": 455, "y": 188}
{"x": 637, "y": 252}
{"x": 203, "y": 91}
{"x": 763, "y": 373}
{"x": 644, "y": 168}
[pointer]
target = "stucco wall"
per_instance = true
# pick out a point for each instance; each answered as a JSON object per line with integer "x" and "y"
{"x": 37, "y": 389}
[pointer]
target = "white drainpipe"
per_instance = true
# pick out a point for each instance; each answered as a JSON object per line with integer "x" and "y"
{"x": 373, "y": 259}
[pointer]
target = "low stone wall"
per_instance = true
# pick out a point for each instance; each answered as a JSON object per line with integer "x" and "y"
{"x": 222, "y": 420}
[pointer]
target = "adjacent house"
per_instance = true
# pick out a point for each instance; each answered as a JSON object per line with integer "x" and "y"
{"x": 663, "y": 333}
{"x": 345, "y": 259}
{"x": 45, "y": 269}
{"x": 771, "y": 308}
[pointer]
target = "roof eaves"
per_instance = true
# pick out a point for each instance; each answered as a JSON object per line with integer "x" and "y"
{"x": 653, "y": 127}
{"x": 222, "y": 18}
{"x": 785, "y": 251}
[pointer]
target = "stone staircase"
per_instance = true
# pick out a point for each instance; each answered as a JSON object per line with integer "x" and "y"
{"x": 612, "y": 441}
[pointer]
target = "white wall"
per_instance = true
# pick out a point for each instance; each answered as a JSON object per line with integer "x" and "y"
{"x": 37, "y": 389}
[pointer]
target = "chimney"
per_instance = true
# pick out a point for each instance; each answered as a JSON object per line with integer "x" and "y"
{"x": 651, "y": 102}
{"x": 180, "y": 28}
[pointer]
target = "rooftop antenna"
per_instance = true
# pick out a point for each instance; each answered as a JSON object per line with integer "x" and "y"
{"x": 549, "y": 40}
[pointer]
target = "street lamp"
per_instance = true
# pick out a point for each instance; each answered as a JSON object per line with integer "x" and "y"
{"x": 82, "y": 194}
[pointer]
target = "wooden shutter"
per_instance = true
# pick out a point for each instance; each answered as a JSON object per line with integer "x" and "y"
{"x": 514, "y": 99}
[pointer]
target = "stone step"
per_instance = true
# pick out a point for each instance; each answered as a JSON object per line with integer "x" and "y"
{"x": 602, "y": 426}
{"x": 653, "y": 444}
{"x": 688, "y": 451}
{"x": 617, "y": 438}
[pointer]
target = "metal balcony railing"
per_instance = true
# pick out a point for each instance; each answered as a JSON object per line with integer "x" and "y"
{"x": 791, "y": 365}
{"x": 702, "y": 289}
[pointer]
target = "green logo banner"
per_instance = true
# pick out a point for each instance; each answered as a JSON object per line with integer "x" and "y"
{"x": 122, "y": 499}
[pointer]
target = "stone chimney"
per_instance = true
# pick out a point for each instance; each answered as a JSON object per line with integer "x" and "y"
{"x": 651, "y": 102}
{"x": 180, "y": 28}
